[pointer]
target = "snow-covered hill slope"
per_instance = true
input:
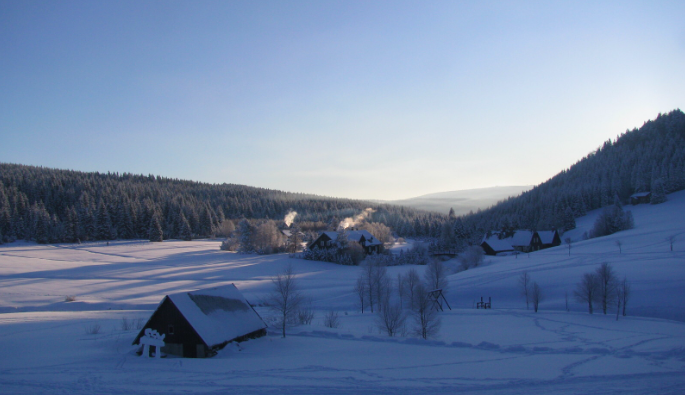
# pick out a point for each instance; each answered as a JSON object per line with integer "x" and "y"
{"x": 657, "y": 275}
{"x": 46, "y": 347}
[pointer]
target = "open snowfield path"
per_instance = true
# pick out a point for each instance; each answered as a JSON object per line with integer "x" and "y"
{"x": 544, "y": 353}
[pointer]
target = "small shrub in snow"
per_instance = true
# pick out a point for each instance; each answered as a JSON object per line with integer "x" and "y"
{"x": 330, "y": 320}
{"x": 70, "y": 298}
{"x": 305, "y": 315}
{"x": 471, "y": 257}
{"x": 92, "y": 329}
{"x": 230, "y": 244}
{"x": 126, "y": 324}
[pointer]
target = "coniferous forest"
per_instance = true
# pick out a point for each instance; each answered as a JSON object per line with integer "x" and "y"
{"x": 648, "y": 159}
{"x": 53, "y": 205}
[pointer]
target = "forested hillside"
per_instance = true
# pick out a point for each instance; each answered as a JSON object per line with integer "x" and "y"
{"x": 51, "y": 205}
{"x": 651, "y": 158}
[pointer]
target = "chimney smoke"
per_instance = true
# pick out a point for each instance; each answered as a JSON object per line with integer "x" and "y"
{"x": 290, "y": 218}
{"x": 352, "y": 222}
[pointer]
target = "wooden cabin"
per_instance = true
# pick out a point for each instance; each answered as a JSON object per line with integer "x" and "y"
{"x": 526, "y": 241}
{"x": 199, "y": 323}
{"x": 640, "y": 198}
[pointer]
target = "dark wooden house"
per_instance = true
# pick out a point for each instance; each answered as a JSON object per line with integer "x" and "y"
{"x": 549, "y": 238}
{"x": 199, "y": 323}
{"x": 640, "y": 197}
{"x": 493, "y": 245}
{"x": 526, "y": 241}
{"x": 520, "y": 240}
{"x": 363, "y": 237}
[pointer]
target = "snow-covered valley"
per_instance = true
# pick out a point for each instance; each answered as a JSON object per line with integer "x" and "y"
{"x": 46, "y": 347}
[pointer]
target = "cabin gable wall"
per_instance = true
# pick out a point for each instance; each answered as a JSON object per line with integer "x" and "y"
{"x": 180, "y": 337}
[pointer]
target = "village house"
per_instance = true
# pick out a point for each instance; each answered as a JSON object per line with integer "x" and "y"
{"x": 369, "y": 243}
{"x": 493, "y": 245}
{"x": 521, "y": 241}
{"x": 549, "y": 238}
{"x": 199, "y": 323}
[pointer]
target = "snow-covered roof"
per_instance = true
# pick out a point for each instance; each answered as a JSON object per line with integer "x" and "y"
{"x": 498, "y": 245}
{"x": 218, "y": 314}
{"x": 547, "y": 236}
{"x": 356, "y": 235}
{"x": 521, "y": 238}
{"x": 640, "y": 194}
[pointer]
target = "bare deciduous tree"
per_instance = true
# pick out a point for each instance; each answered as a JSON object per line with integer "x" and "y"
{"x": 524, "y": 284}
{"x": 226, "y": 228}
{"x": 619, "y": 244}
{"x": 285, "y": 298}
{"x": 374, "y": 273}
{"x": 587, "y": 290}
{"x": 618, "y": 301}
{"x": 568, "y": 242}
{"x": 400, "y": 288}
{"x": 607, "y": 282}
{"x": 424, "y": 314}
{"x": 267, "y": 237}
{"x": 436, "y": 275}
{"x": 360, "y": 290}
{"x": 625, "y": 294}
{"x": 536, "y": 295}
{"x": 391, "y": 317}
{"x": 411, "y": 281}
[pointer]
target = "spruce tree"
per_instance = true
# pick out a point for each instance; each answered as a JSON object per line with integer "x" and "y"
{"x": 5, "y": 222}
{"x": 245, "y": 236}
{"x": 104, "y": 228}
{"x": 155, "y": 230}
{"x": 70, "y": 228}
{"x": 658, "y": 192}
{"x": 42, "y": 229}
{"x": 206, "y": 222}
{"x": 569, "y": 220}
{"x": 184, "y": 232}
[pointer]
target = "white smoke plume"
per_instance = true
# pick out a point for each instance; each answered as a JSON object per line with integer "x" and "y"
{"x": 352, "y": 222}
{"x": 290, "y": 217}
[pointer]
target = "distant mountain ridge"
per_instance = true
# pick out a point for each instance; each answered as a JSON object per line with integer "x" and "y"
{"x": 463, "y": 201}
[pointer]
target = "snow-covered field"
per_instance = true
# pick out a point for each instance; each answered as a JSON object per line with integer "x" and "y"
{"x": 45, "y": 346}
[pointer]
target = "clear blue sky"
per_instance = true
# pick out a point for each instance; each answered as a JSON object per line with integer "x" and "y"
{"x": 360, "y": 99}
